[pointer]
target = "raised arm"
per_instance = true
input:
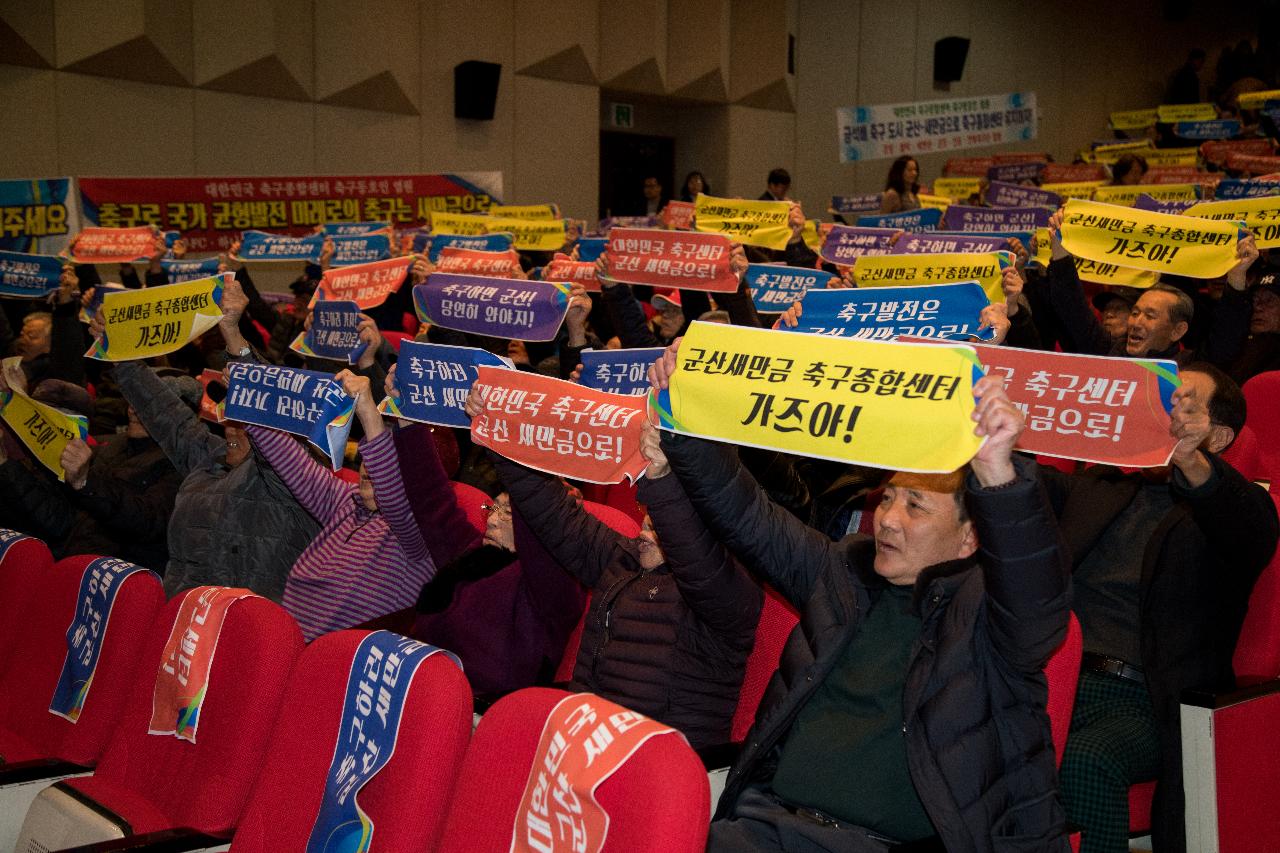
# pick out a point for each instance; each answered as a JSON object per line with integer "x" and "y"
{"x": 1066, "y": 296}
{"x": 315, "y": 487}
{"x": 180, "y": 434}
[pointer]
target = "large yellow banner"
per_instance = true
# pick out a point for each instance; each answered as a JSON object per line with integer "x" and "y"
{"x": 525, "y": 211}
{"x": 1173, "y": 113}
{"x": 44, "y": 430}
{"x": 905, "y": 407}
{"x": 1141, "y": 239}
{"x": 942, "y": 268}
{"x": 1260, "y": 215}
{"x": 1133, "y": 119}
{"x": 957, "y": 189}
{"x": 533, "y": 235}
{"x": 753, "y": 223}
{"x": 1092, "y": 270}
{"x": 462, "y": 224}
{"x": 158, "y": 320}
{"x": 1075, "y": 189}
{"x": 1127, "y": 194}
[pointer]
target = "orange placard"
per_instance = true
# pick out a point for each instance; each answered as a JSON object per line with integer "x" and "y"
{"x": 1073, "y": 173}
{"x": 1252, "y": 164}
{"x": 678, "y": 215}
{"x": 565, "y": 268}
{"x": 113, "y": 245}
{"x": 1217, "y": 151}
{"x": 968, "y": 167}
{"x": 367, "y": 285}
{"x": 560, "y": 427}
{"x": 477, "y": 262}
{"x": 671, "y": 259}
{"x": 584, "y": 742}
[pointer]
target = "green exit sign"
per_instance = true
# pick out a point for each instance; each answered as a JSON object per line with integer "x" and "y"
{"x": 622, "y": 115}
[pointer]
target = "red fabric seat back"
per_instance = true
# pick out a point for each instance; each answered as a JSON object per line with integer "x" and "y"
{"x": 1257, "y": 656}
{"x": 1262, "y": 394}
{"x": 407, "y": 799}
{"x": 27, "y": 685}
{"x": 658, "y": 801}
{"x": 158, "y": 781}
{"x": 1245, "y": 454}
{"x": 396, "y": 338}
{"x": 777, "y": 619}
{"x": 1063, "y": 672}
{"x": 24, "y": 562}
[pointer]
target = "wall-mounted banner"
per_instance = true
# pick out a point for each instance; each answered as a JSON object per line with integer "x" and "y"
{"x": 774, "y": 287}
{"x": 473, "y": 262}
{"x": 1180, "y": 245}
{"x": 38, "y": 216}
{"x": 1224, "y": 128}
{"x": 888, "y": 405}
{"x": 968, "y": 167}
{"x": 957, "y": 189}
{"x": 1001, "y": 194}
{"x": 434, "y": 380}
{"x": 333, "y": 333}
{"x": 618, "y": 371}
{"x": 1252, "y": 164}
{"x": 42, "y": 429}
{"x": 1127, "y": 195}
{"x": 367, "y": 285}
{"x": 1260, "y": 215}
{"x": 189, "y": 270}
{"x": 924, "y": 219}
{"x": 99, "y": 584}
{"x": 667, "y": 259}
{"x": 532, "y": 235}
{"x": 437, "y": 243}
{"x": 1218, "y": 153}
{"x": 525, "y": 211}
{"x": 1174, "y": 113}
{"x": 948, "y": 311}
{"x": 29, "y": 276}
{"x": 303, "y": 402}
{"x": 113, "y": 245}
{"x": 946, "y": 242}
{"x": 892, "y": 270}
{"x": 1068, "y": 173}
{"x": 361, "y": 248}
{"x": 754, "y": 223}
{"x": 559, "y": 427}
{"x": 158, "y": 320}
{"x": 384, "y": 665}
{"x": 211, "y": 212}
{"x": 1246, "y": 189}
{"x": 1013, "y": 173}
{"x": 846, "y": 243}
{"x": 348, "y": 229}
{"x": 498, "y": 307}
{"x": 260, "y": 246}
{"x": 867, "y": 203}
{"x": 183, "y": 677}
{"x": 928, "y": 127}
{"x": 1133, "y": 119}
{"x": 565, "y": 269}
{"x": 964, "y": 218}
{"x": 678, "y": 215}
{"x": 1077, "y": 189}
{"x": 590, "y": 248}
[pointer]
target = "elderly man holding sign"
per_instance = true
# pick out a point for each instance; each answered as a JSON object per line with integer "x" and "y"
{"x": 912, "y": 706}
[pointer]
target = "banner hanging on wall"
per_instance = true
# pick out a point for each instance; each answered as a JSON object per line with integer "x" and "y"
{"x": 38, "y": 216}
{"x": 927, "y": 127}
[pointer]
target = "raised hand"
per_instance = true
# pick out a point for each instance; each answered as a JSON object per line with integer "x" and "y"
{"x": 1000, "y": 422}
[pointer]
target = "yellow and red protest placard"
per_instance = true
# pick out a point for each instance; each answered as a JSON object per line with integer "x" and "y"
{"x": 1133, "y": 119}
{"x": 565, "y": 269}
{"x": 584, "y": 741}
{"x": 753, "y": 223}
{"x": 183, "y": 677}
{"x": 1127, "y": 194}
{"x": 42, "y": 429}
{"x": 158, "y": 320}
{"x": 1073, "y": 189}
{"x": 1260, "y": 214}
{"x": 677, "y": 259}
{"x": 1142, "y": 239}
{"x": 560, "y": 427}
{"x": 525, "y": 211}
{"x": 113, "y": 245}
{"x": 957, "y": 188}
{"x": 885, "y": 404}
{"x": 477, "y": 262}
{"x": 367, "y": 285}
{"x": 678, "y": 215}
{"x": 941, "y": 268}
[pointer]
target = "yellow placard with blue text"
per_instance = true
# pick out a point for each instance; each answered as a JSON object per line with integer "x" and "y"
{"x": 1127, "y": 194}
{"x": 752, "y": 223}
{"x": 941, "y": 202}
{"x": 1143, "y": 239}
{"x": 156, "y": 321}
{"x": 811, "y": 235}
{"x": 1172, "y": 157}
{"x": 1174, "y": 113}
{"x": 1261, "y": 215}
{"x": 525, "y": 211}
{"x": 1133, "y": 119}
{"x": 957, "y": 189}
{"x": 530, "y": 235}
{"x": 42, "y": 429}
{"x": 1087, "y": 270}
{"x": 1257, "y": 100}
{"x": 1074, "y": 189}
{"x": 900, "y": 406}
{"x": 462, "y": 224}
{"x": 986, "y": 268}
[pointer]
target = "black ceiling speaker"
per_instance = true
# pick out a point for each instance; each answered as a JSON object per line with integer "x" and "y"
{"x": 475, "y": 89}
{"x": 949, "y": 55}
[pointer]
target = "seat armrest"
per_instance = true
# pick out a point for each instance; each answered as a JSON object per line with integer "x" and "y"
{"x": 721, "y": 755}
{"x": 1213, "y": 700}
{"x": 164, "y": 841}
{"x": 22, "y": 772}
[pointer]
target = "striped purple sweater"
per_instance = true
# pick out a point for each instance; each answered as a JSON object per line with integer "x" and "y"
{"x": 362, "y": 564}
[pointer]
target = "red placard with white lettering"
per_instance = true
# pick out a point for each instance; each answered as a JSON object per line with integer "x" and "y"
{"x": 565, "y": 268}
{"x": 113, "y": 245}
{"x": 367, "y": 285}
{"x": 1252, "y": 164}
{"x": 664, "y": 259}
{"x": 1218, "y": 151}
{"x": 678, "y": 215}
{"x": 968, "y": 167}
{"x": 560, "y": 427}
{"x": 1072, "y": 173}
{"x": 1020, "y": 157}
{"x": 476, "y": 262}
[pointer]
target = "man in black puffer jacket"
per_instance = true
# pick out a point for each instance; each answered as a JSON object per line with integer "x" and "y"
{"x": 909, "y": 704}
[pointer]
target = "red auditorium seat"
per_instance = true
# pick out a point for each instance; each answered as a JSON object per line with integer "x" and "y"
{"x": 157, "y": 783}
{"x": 24, "y": 562}
{"x": 1062, "y": 672}
{"x": 657, "y": 801}
{"x": 396, "y": 338}
{"x": 777, "y": 618}
{"x": 1262, "y": 394}
{"x": 1245, "y": 454}
{"x": 406, "y": 800}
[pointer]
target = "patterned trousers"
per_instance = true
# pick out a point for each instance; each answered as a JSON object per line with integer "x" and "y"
{"x": 1113, "y": 743}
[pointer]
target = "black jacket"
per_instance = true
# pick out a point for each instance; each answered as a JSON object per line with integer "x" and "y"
{"x": 1198, "y": 569}
{"x": 978, "y": 740}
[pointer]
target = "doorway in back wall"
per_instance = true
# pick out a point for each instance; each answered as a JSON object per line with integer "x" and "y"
{"x": 626, "y": 159}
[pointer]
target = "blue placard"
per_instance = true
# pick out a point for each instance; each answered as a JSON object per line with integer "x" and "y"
{"x": 95, "y": 302}
{"x": 346, "y": 229}
{"x": 924, "y": 219}
{"x": 947, "y": 311}
{"x": 774, "y": 286}
{"x": 965, "y": 218}
{"x": 333, "y": 333}
{"x": 360, "y": 249}
{"x": 1223, "y": 128}
{"x": 934, "y": 242}
{"x": 1238, "y": 188}
{"x": 1000, "y": 194}
{"x": 261, "y": 246}
{"x": 382, "y": 672}
{"x": 498, "y": 307}
{"x": 434, "y": 381}
{"x": 497, "y": 242}
{"x": 185, "y": 270}
{"x": 844, "y": 244}
{"x": 1146, "y": 202}
{"x": 591, "y": 248}
{"x": 303, "y": 402}
{"x": 1014, "y": 172}
{"x": 29, "y": 276}
{"x": 866, "y": 203}
{"x": 99, "y": 584}
{"x": 620, "y": 371}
